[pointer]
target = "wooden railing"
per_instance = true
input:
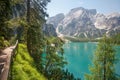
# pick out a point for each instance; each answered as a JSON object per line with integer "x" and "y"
{"x": 9, "y": 52}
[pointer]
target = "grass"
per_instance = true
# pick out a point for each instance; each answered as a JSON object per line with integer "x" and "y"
{"x": 23, "y": 67}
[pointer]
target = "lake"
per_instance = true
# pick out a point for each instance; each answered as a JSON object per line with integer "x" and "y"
{"x": 79, "y": 57}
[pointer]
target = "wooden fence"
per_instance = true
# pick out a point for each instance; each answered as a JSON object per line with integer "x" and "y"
{"x": 8, "y": 52}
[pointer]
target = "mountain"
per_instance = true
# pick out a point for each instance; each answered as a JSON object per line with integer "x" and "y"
{"x": 49, "y": 30}
{"x": 86, "y": 23}
{"x": 55, "y": 20}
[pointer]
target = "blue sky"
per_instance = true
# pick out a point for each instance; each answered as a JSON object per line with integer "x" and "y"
{"x": 64, "y": 6}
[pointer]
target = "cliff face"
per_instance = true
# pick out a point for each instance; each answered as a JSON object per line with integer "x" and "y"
{"x": 87, "y": 23}
{"x": 56, "y": 20}
{"x": 49, "y": 30}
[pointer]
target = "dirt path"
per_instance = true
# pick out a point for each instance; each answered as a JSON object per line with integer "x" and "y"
{"x": 5, "y": 61}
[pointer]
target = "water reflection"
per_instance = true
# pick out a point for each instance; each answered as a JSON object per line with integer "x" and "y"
{"x": 79, "y": 56}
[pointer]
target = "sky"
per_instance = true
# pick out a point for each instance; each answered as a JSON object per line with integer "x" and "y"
{"x": 64, "y": 6}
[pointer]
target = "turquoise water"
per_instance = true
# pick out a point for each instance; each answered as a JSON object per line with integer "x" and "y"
{"x": 79, "y": 57}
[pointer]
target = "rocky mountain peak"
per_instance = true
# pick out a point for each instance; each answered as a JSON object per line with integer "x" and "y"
{"x": 77, "y": 9}
{"x": 80, "y": 10}
{"x": 55, "y": 20}
{"x": 86, "y": 23}
{"x": 114, "y": 14}
{"x": 92, "y": 11}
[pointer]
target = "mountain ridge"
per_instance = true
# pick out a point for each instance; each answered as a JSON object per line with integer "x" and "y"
{"x": 86, "y": 23}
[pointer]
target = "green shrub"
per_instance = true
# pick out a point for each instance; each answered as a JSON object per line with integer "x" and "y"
{"x": 3, "y": 43}
{"x": 23, "y": 67}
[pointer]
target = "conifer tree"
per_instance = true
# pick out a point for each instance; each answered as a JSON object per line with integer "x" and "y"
{"x": 103, "y": 62}
{"x": 35, "y": 19}
{"x": 5, "y": 31}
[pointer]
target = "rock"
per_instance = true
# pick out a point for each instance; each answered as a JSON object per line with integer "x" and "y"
{"x": 49, "y": 30}
{"x": 86, "y": 23}
{"x": 55, "y": 20}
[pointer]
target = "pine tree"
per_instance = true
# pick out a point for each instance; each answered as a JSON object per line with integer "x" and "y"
{"x": 103, "y": 62}
{"x": 54, "y": 60}
{"x": 35, "y": 19}
{"x": 5, "y": 31}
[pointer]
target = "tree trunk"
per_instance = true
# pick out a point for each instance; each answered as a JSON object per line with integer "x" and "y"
{"x": 104, "y": 77}
{"x": 28, "y": 11}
